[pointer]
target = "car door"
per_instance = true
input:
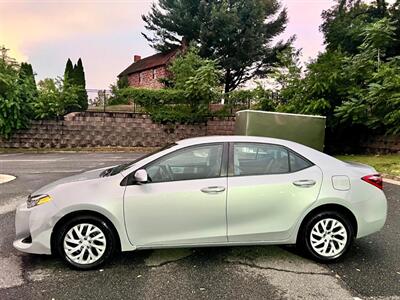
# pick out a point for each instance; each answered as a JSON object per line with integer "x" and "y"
{"x": 184, "y": 201}
{"x": 269, "y": 187}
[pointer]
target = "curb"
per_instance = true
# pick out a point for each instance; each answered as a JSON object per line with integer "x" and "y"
{"x": 392, "y": 177}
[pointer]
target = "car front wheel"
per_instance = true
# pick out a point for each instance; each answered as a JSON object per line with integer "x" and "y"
{"x": 326, "y": 236}
{"x": 85, "y": 242}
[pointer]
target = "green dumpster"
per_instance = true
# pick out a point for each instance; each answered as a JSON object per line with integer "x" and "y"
{"x": 304, "y": 129}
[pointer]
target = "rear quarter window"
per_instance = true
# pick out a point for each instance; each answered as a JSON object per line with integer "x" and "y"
{"x": 298, "y": 163}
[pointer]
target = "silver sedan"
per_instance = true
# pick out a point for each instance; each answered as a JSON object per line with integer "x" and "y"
{"x": 208, "y": 191}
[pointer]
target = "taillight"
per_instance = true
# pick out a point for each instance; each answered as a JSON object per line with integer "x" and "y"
{"x": 375, "y": 180}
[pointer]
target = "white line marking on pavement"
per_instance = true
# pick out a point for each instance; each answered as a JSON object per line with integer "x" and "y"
{"x": 58, "y": 171}
{"x": 29, "y": 160}
{"x": 6, "y": 178}
{"x": 11, "y": 154}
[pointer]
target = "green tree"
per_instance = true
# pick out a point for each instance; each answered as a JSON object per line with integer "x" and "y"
{"x": 74, "y": 75}
{"x": 186, "y": 65}
{"x": 343, "y": 23}
{"x": 198, "y": 77}
{"x": 55, "y": 99}
{"x": 27, "y": 76}
{"x": 322, "y": 88}
{"x": 237, "y": 33}
{"x": 117, "y": 97}
{"x": 378, "y": 37}
{"x": 80, "y": 81}
{"x": 69, "y": 77}
{"x": 26, "y": 71}
{"x": 288, "y": 70}
{"x": 394, "y": 10}
{"x": 15, "y": 96}
{"x": 375, "y": 101}
{"x": 355, "y": 91}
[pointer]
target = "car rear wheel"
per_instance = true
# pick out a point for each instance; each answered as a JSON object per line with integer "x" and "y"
{"x": 326, "y": 236}
{"x": 85, "y": 242}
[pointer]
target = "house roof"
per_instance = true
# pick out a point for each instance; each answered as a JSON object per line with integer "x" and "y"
{"x": 159, "y": 59}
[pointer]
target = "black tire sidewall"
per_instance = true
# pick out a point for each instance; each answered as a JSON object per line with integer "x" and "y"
{"x": 102, "y": 225}
{"x": 306, "y": 243}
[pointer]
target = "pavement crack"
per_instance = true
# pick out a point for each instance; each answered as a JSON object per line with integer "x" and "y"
{"x": 252, "y": 265}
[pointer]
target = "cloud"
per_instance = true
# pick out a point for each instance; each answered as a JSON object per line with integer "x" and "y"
{"x": 26, "y": 24}
{"x": 106, "y": 33}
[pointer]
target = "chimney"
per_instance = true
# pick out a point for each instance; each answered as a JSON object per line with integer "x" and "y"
{"x": 136, "y": 58}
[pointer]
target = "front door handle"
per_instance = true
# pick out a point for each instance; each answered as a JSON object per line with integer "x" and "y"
{"x": 304, "y": 183}
{"x": 213, "y": 189}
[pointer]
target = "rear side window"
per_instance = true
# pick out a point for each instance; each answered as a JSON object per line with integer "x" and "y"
{"x": 298, "y": 163}
{"x": 265, "y": 159}
{"x": 259, "y": 159}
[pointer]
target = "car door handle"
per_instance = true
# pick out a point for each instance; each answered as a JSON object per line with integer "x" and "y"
{"x": 213, "y": 189}
{"x": 304, "y": 183}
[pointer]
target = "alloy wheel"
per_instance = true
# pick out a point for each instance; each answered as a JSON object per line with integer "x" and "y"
{"x": 84, "y": 243}
{"x": 328, "y": 237}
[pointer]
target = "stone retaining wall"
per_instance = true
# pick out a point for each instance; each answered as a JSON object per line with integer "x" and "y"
{"x": 381, "y": 144}
{"x": 98, "y": 129}
{"x": 91, "y": 129}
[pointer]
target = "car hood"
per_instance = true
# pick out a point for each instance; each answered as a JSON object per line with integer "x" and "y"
{"x": 89, "y": 175}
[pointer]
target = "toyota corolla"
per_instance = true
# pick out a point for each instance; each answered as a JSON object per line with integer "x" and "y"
{"x": 208, "y": 191}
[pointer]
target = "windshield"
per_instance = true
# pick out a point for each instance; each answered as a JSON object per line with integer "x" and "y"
{"x": 117, "y": 169}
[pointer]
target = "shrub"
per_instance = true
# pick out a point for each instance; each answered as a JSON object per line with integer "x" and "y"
{"x": 16, "y": 95}
{"x": 150, "y": 98}
{"x": 55, "y": 99}
{"x": 117, "y": 97}
{"x": 257, "y": 98}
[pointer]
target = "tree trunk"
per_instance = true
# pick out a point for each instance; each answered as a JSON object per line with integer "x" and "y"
{"x": 227, "y": 80}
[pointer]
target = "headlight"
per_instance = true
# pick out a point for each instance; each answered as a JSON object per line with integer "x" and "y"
{"x": 37, "y": 200}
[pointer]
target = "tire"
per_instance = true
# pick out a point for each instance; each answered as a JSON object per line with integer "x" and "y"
{"x": 326, "y": 236}
{"x": 88, "y": 234}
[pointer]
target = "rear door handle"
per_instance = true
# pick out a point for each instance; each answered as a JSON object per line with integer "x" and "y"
{"x": 304, "y": 183}
{"x": 213, "y": 189}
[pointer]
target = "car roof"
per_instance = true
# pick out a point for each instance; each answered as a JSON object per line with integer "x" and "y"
{"x": 231, "y": 138}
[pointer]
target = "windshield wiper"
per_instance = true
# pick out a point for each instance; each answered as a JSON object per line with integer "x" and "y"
{"x": 106, "y": 172}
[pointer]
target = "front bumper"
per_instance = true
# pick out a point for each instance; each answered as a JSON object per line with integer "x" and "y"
{"x": 33, "y": 229}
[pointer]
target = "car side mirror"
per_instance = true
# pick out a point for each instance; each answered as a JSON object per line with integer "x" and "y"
{"x": 141, "y": 176}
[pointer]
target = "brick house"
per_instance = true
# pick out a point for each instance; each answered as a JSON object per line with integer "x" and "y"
{"x": 146, "y": 72}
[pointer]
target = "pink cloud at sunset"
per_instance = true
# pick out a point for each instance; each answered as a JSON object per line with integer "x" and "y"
{"x": 106, "y": 34}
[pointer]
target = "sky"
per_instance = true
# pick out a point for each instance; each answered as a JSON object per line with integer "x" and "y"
{"x": 107, "y": 34}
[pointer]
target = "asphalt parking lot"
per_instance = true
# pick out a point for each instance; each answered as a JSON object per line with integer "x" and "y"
{"x": 370, "y": 270}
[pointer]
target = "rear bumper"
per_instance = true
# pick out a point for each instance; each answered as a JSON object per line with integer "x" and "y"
{"x": 371, "y": 214}
{"x": 34, "y": 224}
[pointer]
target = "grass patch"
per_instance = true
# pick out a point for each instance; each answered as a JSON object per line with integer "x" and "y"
{"x": 385, "y": 163}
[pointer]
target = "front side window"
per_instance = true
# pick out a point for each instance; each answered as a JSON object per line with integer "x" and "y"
{"x": 195, "y": 162}
{"x": 259, "y": 159}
